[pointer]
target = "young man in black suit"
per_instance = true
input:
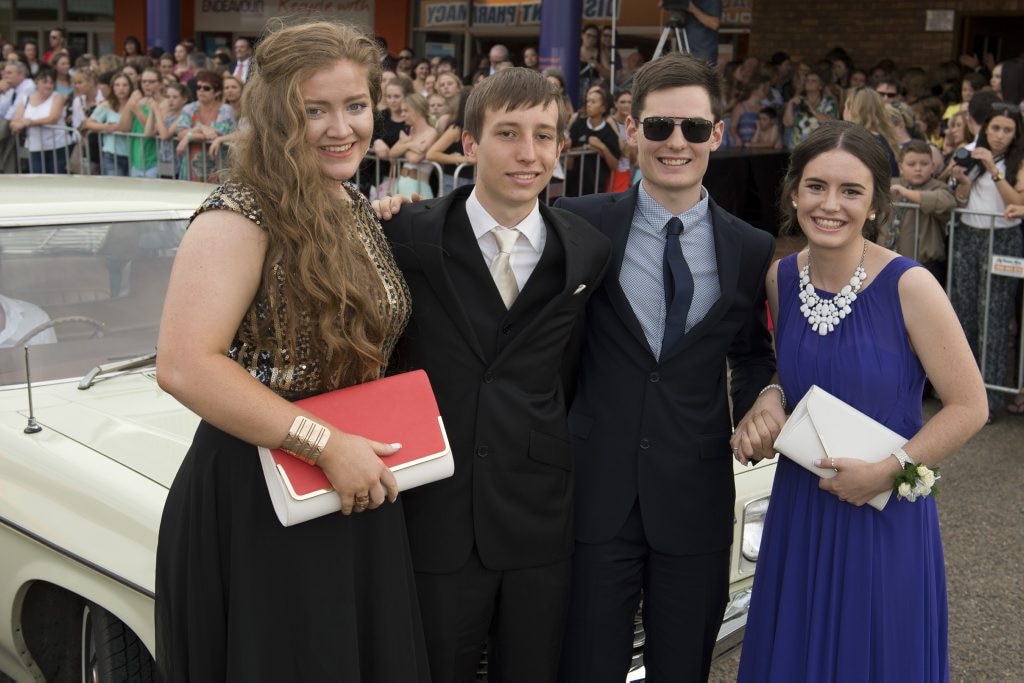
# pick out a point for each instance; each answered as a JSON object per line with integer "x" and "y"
{"x": 499, "y": 284}
{"x": 650, "y": 422}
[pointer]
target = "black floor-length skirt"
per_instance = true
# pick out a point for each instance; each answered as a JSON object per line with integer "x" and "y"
{"x": 242, "y": 598}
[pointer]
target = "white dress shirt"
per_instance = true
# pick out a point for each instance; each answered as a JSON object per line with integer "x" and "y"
{"x": 10, "y": 99}
{"x": 244, "y": 65}
{"x": 528, "y": 248}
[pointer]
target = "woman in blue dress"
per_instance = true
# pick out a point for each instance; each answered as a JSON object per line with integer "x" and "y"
{"x": 845, "y": 592}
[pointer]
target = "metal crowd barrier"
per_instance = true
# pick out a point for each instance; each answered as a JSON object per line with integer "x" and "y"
{"x": 79, "y": 160}
{"x": 998, "y": 265}
{"x": 580, "y": 156}
{"x": 76, "y": 158}
{"x": 899, "y": 224}
{"x": 55, "y": 159}
{"x": 466, "y": 173}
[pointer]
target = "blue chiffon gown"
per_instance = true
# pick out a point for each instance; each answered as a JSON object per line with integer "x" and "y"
{"x": 845, "y": 593}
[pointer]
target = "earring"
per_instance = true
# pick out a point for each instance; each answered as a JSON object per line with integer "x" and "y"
{"x": 794, "y": 203}
{"x": 871, "y": 216}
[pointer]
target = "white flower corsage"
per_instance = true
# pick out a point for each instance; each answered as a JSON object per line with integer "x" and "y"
{"x": 916, "y": 481}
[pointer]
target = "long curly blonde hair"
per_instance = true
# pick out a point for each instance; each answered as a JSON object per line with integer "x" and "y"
{"x": 315, "y": 260}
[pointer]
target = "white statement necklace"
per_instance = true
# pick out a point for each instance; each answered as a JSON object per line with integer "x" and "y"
{"x": 824, "y": 314}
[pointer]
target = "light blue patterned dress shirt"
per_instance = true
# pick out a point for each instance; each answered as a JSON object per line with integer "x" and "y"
{"x": 641, "y": 276}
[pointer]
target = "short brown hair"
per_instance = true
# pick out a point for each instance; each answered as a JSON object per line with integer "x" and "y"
{"x": 510, "y": 90}
{"x": 675, "y": 70}
{"x": 210, "y": 78}
{"x": 917, "y": 147}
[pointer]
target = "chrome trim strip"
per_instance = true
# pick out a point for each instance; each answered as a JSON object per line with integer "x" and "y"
{"x": 107, "y": 217}
{"x": 78, "y": 558}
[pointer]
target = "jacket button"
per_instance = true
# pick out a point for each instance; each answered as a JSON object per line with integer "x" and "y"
{"x": 655, "y": 377}
{"x": 645, "y": 444}
{"x": 505, "y": 329}
{"x": 482, "y": 451}
{"x": 488, "y": 377}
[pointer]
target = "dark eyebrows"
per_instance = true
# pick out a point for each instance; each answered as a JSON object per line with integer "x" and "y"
{"x": 512, "y": 123}
{"x": 825, "y": 182}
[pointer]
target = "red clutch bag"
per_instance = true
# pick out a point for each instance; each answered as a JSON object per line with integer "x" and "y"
{"x": 396, "y": 409}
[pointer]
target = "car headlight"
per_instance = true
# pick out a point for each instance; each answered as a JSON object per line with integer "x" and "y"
{"x": 753, "y": 525}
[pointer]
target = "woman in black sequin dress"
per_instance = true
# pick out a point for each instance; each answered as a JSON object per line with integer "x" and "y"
{"x": 284, "y": 287}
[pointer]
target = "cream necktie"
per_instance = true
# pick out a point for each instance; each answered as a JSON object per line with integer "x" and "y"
{"x": 501, "y": 266}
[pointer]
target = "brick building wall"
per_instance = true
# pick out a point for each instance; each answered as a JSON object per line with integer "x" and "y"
{"x": 868, "y": 30}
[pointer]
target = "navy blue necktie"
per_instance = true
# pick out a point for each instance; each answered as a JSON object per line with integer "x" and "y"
{"x": 678, "y": 286}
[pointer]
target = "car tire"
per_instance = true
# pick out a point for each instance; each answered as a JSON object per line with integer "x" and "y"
{"x": 111, "y": 652}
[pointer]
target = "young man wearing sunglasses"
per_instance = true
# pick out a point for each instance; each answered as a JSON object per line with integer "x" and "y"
{"x": 650, "y": 423}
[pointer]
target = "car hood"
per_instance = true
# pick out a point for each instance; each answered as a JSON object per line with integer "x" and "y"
{"x": 126, "y": 417}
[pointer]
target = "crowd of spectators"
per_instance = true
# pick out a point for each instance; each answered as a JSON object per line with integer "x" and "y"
{"x": 770, "y": 104}
{"x": 947, "y": 128}
{"x": 169, "y": 114}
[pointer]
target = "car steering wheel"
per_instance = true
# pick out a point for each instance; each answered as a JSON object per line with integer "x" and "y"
{"x": 42, "y": 327}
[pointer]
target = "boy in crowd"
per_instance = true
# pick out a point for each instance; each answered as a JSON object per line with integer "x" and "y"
{"x": 917, "y": 185}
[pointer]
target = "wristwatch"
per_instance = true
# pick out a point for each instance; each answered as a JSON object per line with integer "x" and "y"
{"x": 997, "y": 176}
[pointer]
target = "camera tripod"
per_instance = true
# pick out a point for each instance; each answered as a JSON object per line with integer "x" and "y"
{"x": 675, "y": 26}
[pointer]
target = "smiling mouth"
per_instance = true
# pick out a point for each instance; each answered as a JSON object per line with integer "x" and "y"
{"x": 828, "y": 223}
{"x": 526, "y": 176}
{"x": 673, "y": 161}
{"x": 337, "y": 149}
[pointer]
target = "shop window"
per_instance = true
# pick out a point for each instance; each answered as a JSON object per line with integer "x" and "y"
{"x": 36, "y": 10}
{"x": 90, "y": 10}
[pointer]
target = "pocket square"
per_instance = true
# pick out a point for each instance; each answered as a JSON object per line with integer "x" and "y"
{"x": 579, "y": 289}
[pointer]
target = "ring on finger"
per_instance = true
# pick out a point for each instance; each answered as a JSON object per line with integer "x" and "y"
{"x": 832, "y": 461}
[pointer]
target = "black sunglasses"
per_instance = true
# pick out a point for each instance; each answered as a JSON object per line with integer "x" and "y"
{"x": 659, "y": 128}
{"x": 205, "y": 88}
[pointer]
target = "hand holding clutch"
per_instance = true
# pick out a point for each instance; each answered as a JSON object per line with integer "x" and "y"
{"x": 350, "y": 474}
{"x": 823, "y": 426}
{"x": 858, "y": 482}
{"x": 354, "y": 467}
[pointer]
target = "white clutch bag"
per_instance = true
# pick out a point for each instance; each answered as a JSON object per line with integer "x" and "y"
{"x": 822, "y": 426}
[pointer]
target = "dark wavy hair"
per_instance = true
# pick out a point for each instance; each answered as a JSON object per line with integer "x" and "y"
{"x": 1015, "y": 152}
{"x": 850, "y": 138}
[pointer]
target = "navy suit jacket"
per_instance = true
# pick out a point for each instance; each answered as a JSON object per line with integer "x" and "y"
{"x": 659, "y": 429}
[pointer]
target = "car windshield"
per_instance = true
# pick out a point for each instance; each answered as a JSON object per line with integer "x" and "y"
{"x": 82, "y": 295}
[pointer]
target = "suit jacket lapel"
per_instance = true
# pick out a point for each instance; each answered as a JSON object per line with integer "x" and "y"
{"x": 574, "y": 268}
{"x": 728, "y": 253}
{"x": 616, "y": 221}
{"x": 427, "y": 229}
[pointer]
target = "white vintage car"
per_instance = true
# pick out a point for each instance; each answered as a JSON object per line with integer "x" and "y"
{"x": 89, "y": 443}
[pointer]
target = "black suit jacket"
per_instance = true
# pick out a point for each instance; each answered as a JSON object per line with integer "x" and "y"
{"x": 498, "y": 376}
{"x": 659, "y": 429}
